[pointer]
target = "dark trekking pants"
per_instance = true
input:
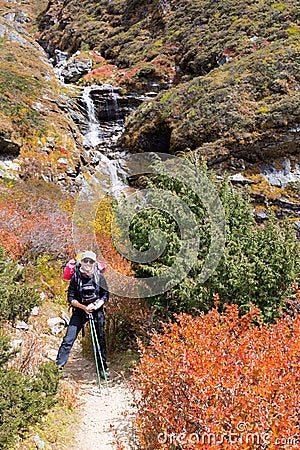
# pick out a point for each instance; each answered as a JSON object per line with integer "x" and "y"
{"x": 77, "y": 321}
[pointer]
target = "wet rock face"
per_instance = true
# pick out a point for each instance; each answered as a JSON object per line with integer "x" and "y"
{"x": 158, "y": 141}
{"x": 110, "y": 104}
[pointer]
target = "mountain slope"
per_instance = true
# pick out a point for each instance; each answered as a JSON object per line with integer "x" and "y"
{"x": 36, "y": 125}
{"x": 232, "y": 69}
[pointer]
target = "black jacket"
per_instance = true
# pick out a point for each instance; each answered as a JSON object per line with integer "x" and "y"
{"x": 77, "y": 280}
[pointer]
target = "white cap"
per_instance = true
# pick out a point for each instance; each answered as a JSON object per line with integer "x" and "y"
{"x": 90, "y": 255}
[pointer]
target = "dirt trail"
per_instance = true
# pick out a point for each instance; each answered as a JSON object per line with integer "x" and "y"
{"x": 105, "y": 412}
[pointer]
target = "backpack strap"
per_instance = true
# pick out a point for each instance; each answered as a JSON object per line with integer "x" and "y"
{"x": 77, "y": 277}
{"x": 97, "y": 275}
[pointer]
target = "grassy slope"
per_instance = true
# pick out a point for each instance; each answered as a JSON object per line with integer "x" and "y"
{"x": 32, "y": 114}
{"x": 244, "y": 108}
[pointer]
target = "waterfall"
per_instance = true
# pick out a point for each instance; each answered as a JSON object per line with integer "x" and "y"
{"x": 93, "y": 136}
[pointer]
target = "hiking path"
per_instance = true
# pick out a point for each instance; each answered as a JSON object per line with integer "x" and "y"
{"x": 103, "y": 412}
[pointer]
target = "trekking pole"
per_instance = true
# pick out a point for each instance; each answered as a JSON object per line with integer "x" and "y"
{"x": 99, "y": 351}
{"x": 95, "y": 351}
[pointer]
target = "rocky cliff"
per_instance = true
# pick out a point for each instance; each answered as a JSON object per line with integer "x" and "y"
{"x": 231, "y": 68}
{"x": 37, "y": 132}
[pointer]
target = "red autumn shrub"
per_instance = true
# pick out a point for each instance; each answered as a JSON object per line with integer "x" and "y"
{"x": 127, "y": 319}
{"x": 33, "y": 223}
{"x": 12, "y": 244}
{"x": 220, "y": 382}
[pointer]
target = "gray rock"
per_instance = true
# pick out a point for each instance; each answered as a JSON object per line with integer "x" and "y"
{"x": 21, "y": 325}
{"x": 16, "y": 343}
{"x": 7, "y": 33}
{"x": 239, "y": 178}
{"x": 62, "y": 161}
{"x": 56, "y": 325}
{"x": 280, "y": 177}
{"x": 16, "y": 34}
{"x": 38, "y": 441}
{"x": 60, "y": 57}
{"x": 18, "y": 16}
{"x": 35, "y": 311}
{"x": 297, "y": 225}
{"x": 286, "y": 204}
{"x": 75, "y": 69}
{"x": 261, "y": 216}
{"x": 52, "y": 354}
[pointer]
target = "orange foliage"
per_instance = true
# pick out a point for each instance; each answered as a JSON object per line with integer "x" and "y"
{"x": 103, "y": 233}
{"x": 31, "y": 222}
{"x": 98, "y": 57}
{"x": 118, "y": 442}
{"x": 102, "y": 72}
{"x": 220, "y": 382}
{"x": 12, "y": 244}
{"x": 70, "y": 394}
{"x": 112, "y": 256}
{"x": 30, "y": 346}
{"x": 126, "y": 318}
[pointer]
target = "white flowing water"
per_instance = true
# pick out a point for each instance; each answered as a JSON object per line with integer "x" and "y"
{"x": 93, "y": 136}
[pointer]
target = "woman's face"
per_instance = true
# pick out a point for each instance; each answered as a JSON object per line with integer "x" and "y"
{"x": 88, "y": 265}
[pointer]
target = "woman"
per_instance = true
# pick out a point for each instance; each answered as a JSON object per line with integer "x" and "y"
{"x": 87, "y": 293}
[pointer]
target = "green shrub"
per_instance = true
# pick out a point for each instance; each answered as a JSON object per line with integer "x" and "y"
{"x": 259, "y": 262}
{"x": 24, "y": 399}
{"x": 6, "y": 351}
{"x": 17, "y": 298}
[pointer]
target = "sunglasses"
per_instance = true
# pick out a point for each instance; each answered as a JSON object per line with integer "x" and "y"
{"x": 88, "y": 261}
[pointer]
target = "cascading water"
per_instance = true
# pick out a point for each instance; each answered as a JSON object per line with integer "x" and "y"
{"x": 113, "y": 107}
{"x": 100, "y": 117}
{"x": 93, "y": 136}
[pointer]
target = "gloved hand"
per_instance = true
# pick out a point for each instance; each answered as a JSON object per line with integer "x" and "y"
{"x": 95, "y": 305}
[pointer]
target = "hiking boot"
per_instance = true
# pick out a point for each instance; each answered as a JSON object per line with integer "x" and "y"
{"x": 107, "y": 373}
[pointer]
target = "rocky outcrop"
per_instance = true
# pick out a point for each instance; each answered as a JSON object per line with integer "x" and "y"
{"x": 8, "y": 147}
{"x": 111, "y": 103}
{"x": 231, "y": 70}
{"x": 75, "y": 68}
{"x": 36, "y": 126}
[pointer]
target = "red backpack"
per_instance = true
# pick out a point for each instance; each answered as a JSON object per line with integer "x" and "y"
{"x": 69, "y": 269}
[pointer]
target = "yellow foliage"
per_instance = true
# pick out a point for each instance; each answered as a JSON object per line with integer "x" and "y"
{"x": 50, "y": 272}
{"x": 104, "y": 217}
{"x": 263, "y": 110}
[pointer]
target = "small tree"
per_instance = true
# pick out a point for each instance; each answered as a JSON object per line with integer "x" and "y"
{"x": 259, "y": 262}
{"x": 17, "y": 298}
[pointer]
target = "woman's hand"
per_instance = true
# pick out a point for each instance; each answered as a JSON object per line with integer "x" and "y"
{"x": 90, "y": 308}
{"x": 79, "y": 305}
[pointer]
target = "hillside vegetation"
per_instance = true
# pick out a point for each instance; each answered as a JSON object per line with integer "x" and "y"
{"x": 235, "y": 66}
{"x": 35, "y": 125}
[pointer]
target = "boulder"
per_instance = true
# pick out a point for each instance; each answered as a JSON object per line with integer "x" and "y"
{"x": 75, "y": 69}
